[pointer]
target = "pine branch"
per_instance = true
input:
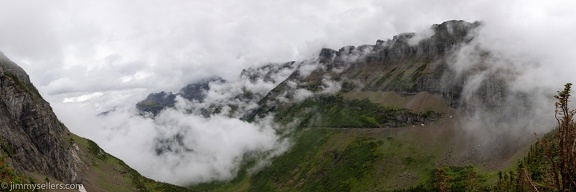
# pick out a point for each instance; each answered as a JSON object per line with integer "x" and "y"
{"x": 530, "y": 180}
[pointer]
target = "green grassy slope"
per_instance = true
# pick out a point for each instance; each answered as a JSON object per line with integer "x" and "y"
{"x": 362, "y": 145}
{"x": 8, "y": 175}
{"x": 108, "y": 173}
{"x": 325, "y": 159}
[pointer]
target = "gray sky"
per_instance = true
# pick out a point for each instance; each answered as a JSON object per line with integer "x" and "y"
{"x": 87, "y": 46}
{"x": 88, "y": 56}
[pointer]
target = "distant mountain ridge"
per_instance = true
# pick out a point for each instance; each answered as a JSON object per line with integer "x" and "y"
{"x": 155, "y": 102}
{"x": 429, "y": 52}
{"x": 197, "y": 91}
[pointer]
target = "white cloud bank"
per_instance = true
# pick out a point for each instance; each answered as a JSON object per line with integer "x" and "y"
{"x": 207, "y": 149}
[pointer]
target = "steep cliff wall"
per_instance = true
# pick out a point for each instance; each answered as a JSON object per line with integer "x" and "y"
{"x": 29, "y": 130}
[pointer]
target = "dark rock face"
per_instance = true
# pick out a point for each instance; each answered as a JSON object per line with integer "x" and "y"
{"x": 421, "y": 66}
{"x": 156, "y": 102}
{"x": 31, "y": 135}
{"x": 327, "y": 55}
{"x": 265, "y": 72}
{"x": 197, "y": 91}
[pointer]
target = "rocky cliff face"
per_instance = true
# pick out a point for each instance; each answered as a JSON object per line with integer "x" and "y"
{"x": 156, "y": 102}
{"x": 32, "y": 137}
{"x": 400, "y": 64}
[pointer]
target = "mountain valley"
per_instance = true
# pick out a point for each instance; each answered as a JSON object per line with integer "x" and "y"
{"x": 426, "y": 111}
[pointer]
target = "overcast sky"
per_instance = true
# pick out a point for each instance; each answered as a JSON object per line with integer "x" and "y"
{"x": 89, "y": 46}
{"x": 102, "y": 53}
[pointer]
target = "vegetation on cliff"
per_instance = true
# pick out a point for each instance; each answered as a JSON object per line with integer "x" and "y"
{"x": 333, "y": 111}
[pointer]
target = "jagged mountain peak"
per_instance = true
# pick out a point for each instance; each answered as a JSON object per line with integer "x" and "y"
{"x": 197, "y": 90}
{"x": 266, "y": 72}
{"x": 156, "y": 102}
{"x": 439, "y": 39}
{"x": 8, "y": 67}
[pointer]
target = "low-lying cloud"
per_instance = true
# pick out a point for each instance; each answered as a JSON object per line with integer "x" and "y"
{"x": 206, "y": 149}
{"x": 528, "y": 64}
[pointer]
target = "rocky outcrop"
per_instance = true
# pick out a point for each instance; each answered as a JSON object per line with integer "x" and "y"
{"x": 156, "y": 102}
{"x": 418, "y": 65}
{"x": 32, "y": 137}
